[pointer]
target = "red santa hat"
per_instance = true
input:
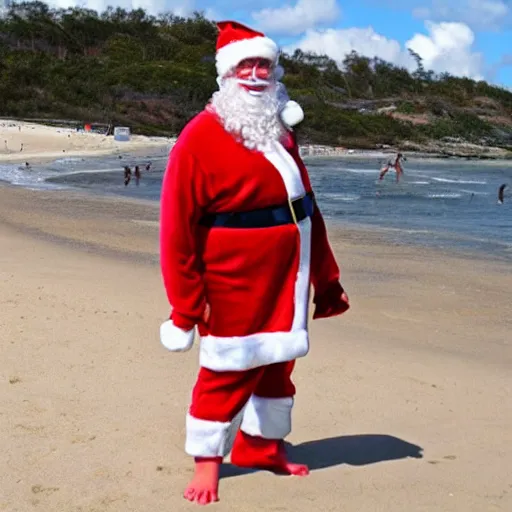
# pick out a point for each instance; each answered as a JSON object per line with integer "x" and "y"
{"x": 237, "y": 42}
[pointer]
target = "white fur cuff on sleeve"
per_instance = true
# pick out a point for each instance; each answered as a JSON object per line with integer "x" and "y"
{"x": 175, "y": 339}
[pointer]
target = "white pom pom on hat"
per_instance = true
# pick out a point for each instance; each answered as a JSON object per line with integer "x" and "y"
{"x": 292, "y": 114}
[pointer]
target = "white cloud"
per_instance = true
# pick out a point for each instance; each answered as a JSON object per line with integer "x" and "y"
{"x": 178, "y": 7}
{"x": 336, "y": 43}
{"x": 295, "y": 19}
{"x": 476, "y": 13}
{"x": 446, "y": 48}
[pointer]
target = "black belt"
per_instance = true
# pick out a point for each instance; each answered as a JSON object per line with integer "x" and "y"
{"x": 289, "y": 213}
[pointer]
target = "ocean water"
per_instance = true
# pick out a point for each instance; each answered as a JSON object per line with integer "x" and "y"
{"x": 448, "y": 204}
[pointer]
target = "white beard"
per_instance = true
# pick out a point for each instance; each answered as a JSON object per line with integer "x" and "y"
{"x": 252, "y": 119}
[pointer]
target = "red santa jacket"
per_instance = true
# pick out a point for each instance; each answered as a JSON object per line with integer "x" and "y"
{"x": 246, "y": 289}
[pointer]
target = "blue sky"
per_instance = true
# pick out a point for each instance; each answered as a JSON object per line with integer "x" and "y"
{"x": 463, "y": 37}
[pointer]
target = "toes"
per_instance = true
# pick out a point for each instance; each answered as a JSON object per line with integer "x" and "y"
{"x": 303, "y": 471}
{"x": 190, "y": 494}
{"x": 202, "y": 497}
{"x": 298, "y": 469}
{"x": 206, "y": 497}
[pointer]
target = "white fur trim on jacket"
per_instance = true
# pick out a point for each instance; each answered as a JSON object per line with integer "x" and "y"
{"x": 245, "y": 352}
{"x": 175, "y": 339}
{"x": 270, "y": 418}
{"x": 206, "y": 438}
{"x": 232, "y": 54}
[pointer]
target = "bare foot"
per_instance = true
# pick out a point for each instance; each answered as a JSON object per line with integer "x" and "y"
{"x": 286, "y": 468}
{"x": 267, "y": 454}
{"x": 290, "y": 468}
{"x": 204, "y": 487}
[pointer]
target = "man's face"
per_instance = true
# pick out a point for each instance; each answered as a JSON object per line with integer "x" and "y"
{"x": 255, "y": 70}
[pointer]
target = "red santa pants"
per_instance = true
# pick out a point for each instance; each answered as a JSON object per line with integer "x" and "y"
{"x": 217, "y": 397}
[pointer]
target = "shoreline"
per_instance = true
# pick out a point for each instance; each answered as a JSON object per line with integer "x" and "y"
{"x": 138, "y": 148}
{"x": 375, "y": 154}
{"x": 23, "y": 141}
{"x": 146, "y": 212}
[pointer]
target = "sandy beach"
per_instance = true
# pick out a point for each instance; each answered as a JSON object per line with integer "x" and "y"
{"x": 403, "y": 403}
{"x": 22, "y": 141}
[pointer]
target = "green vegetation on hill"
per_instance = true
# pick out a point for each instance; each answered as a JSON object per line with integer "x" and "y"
{"x": 155, "y": 73}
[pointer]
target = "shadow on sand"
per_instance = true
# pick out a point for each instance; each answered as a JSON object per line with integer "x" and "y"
{"x": 357, "y": 450}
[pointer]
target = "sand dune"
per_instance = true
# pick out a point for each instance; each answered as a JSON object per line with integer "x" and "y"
{"x": 404, "y": 404}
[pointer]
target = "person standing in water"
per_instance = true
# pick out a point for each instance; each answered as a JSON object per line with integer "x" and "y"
{"x": 397, "y": 165}
{"x": 137, "y": 175}
{"x": 501, "y": 193}
{"x": 127, "y": 175}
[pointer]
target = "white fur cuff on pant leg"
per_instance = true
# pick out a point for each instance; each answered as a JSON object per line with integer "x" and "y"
{"x": 206, "y": 438}
{"x": 270, "y": 418}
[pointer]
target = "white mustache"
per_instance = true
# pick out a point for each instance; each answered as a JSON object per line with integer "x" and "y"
{"x": 258, "y": 82}
{"x": 254, "y": 82}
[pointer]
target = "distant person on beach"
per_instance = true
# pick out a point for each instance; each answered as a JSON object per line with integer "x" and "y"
{"x": 237, "y": 263}
{"x": 501, "y": 193}
{"x": 127, "y": 175}
{"x": 397, "y": 165}
{"x": 148, "y": 166}
{"x": 137, "y": 175}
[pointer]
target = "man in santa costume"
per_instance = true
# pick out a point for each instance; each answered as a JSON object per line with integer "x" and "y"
{"x": 242, "y": 240}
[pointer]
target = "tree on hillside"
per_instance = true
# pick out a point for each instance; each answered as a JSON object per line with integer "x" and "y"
{"x": 155, "y": 72}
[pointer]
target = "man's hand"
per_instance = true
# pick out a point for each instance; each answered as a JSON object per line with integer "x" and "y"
{"x": 334, "y": 301}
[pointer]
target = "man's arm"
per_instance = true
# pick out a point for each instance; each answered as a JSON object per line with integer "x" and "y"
{"x": 183, "y": 199}
{"x": 329, "y": 298}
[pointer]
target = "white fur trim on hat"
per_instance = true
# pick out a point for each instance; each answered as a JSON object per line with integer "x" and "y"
{"x": 291, "y": 114}
{"x": 232, "y": 54}
{"x": 174, "y": 338}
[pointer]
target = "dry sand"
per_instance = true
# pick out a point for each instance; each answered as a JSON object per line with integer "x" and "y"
{"x": 404, "y": 403}
{"x": 21, "y": 141}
